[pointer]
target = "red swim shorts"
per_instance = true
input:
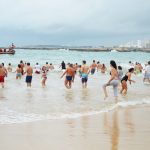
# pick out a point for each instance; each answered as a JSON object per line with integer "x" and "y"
{"x": 1, "y": 79}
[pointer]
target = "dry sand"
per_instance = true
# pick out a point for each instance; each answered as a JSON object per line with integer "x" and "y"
{"x": 122, "y": 129}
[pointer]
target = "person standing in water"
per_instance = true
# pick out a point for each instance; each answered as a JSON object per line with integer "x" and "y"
{"x": 44, "y": 77}
{"x": 2, "y": 75}
{"x": 22, "y": 67}
{"x": 18, "y": 72}
{"x": 70, "y": 75}
{"x": 93, "y": 67}
{"x": 63, "y": 66}
{"x": 113, "y": 81}
{"x": 84, "y": 74}
{"x": 147, "y": 72}
{"x": 29, "y": 72}
{"x": 124, "y": 80}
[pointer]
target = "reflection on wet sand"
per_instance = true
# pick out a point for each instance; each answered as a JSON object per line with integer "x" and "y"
{"x": 69, "y": 95}
{"x": 129, "y": 121}
{"x": 85, "y": 94}
{"x": 112, "y": 129}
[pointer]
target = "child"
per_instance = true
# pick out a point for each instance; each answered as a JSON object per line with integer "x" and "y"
{"x": 125, "y": 79}
{"x": 19, "y": 72}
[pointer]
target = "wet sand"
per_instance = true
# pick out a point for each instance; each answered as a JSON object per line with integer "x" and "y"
{"x": 121, "y": 129}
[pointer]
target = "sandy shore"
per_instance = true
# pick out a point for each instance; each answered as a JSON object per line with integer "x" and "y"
{"x": 123, "y": 129}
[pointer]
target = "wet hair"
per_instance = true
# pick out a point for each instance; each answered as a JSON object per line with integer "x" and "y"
{"x": 46, "y": 62}
{"x": 37, "y": 63}
{"x": 9, "y": 64}
{"x": 21, "y": 61}
{"x": 93, "y": 61}
{"x": 2, "y": 64}
{"x": 131, "y": 69}
{"x": 19, "y": 66}
{"x": 113, "y": 64}
{"x": 98, "y": 62}
{"x": 50, "y": 63}
{"x": 149, "y": 62}
{"x": 119, "y": 68}
{"x": 28, "y": 64}
{"x": 84, "y": 62}
{"x": 130, "y": 62}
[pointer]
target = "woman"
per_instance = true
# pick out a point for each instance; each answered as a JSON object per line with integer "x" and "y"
{"x": 103, "y": 68}
{"x": 113, "y": 81}
{"x": 19, "y": 72}
{"x": 124, "y": 80}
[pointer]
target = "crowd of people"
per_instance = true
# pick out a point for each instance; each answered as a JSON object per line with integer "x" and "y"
{"x": 117, "y": 75}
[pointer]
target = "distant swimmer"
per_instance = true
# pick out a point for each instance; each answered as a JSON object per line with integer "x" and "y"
{"x": 37, "y": 68}
{"x": 18, "y": 72}
{"x": 29, "y": 73}
{"x": 93, "y": 67}
{"x": 85, "y": 69}
{"x": 147, "y": 73}
{"x": 103, "y": 68}
{"x": 63, "y": 66}
{"x": 99, "y": 66}
{"x": 44, "y": 77}
{"x": 22, "y": 67}
{"x": 9, "y": 68}
{"x": 70, "y": 75}
{"x": 51, "y": 66}
{"x": 113, "y": 81}
{"x": 124, "y": 80}
{"x": 47, "y": 66}
{"x": 2, "y": 75}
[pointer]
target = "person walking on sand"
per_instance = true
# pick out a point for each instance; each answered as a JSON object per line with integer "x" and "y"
{"x": 113, "y": 81}
{"x": 84, "y": 74}
{"x": 70, "y": 75}
{"x": 2, "y": 75}
{"x": 29, "y": 73}
{"x": 124, "y": 80}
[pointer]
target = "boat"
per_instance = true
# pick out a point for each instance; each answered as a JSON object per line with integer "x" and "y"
{"x": 12, "y": 52}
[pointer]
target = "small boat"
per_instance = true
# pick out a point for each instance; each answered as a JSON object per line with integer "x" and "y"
{"x": 12, "y": 52}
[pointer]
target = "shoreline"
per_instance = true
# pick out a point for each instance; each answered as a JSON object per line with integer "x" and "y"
{"x": 121, "y": 129}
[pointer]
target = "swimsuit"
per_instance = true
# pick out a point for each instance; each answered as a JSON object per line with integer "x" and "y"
{"x": 68, "y": 78}
{"x": 84, "y": 77}
{"x": 19, "y": 74}
{"x": 28, "y": 79}
{"x": 1, "y": 79}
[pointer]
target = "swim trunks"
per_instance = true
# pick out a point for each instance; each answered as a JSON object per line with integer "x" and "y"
{"x": 68, "y": 78}
{"x": 84, "y": 77}
{"x": 28, "y": 79}
{"x": 1, "y": 79}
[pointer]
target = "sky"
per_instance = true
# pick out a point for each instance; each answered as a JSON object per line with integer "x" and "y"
{"x": 73, "y": 22}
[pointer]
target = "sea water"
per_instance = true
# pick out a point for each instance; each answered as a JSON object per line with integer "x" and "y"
{"x": 19, "y": 104}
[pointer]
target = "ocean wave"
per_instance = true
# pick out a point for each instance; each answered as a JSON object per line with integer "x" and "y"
{"x": 8, "y": 116}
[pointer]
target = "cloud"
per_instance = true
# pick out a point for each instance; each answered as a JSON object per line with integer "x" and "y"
{"x": 67, "y": 21}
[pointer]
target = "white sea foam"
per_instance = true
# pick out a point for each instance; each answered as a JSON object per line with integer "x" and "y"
{"x": 8, "y": 116}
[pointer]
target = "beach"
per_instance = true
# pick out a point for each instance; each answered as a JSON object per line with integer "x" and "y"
{"x": 121, "y": 129}
{"x": 55, "y": 118}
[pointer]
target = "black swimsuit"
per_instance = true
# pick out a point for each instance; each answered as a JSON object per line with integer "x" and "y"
{"x": 125, "y": 78}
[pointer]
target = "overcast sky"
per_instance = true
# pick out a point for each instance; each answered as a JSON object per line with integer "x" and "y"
{"x": 73, "y": 22}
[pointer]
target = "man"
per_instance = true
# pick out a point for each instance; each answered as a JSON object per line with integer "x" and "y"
{"x": 29, "y": 72}
{"x": 2, "y": 75}
{"x": 70, "y": 74}
{"x": 147, "y": 73}
{"x": 93, "y": 67}
{"x": 84, "y": 74}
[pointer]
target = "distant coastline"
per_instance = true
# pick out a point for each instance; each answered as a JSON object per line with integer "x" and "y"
{"x": 85, "y": 49}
